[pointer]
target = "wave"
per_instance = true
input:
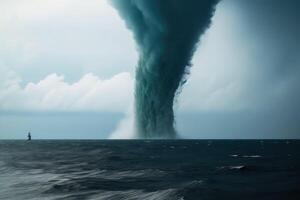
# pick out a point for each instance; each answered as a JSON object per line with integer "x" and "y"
{"x": 252, "y": 156}
{"x": 137, "y": 194}
{"x": 166, "y": 194}
{"x": 100, "y": 189}
{"x": 234, "y": 167}
{"x": 117, "y": 175}
{"x": 238, "y": 167}
{"x": 245, "y": 156}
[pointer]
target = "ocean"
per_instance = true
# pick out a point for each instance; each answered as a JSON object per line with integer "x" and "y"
{"x": 149, "y": 169}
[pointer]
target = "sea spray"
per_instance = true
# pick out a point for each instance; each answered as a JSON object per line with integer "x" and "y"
{"x": 166, "y": 33}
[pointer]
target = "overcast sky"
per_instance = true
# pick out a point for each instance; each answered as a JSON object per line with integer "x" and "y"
{"x": 67, "y": 68}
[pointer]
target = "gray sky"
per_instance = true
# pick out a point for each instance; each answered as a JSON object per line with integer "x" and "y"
{"x": 66, "y": 71}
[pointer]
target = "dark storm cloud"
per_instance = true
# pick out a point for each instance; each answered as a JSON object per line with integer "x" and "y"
{"x": 275, "y": 25}
{"x": 266, "y": 35}
{"x": 270, "y": 29}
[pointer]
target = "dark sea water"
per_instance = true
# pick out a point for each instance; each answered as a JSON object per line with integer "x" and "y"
{"x": 150, "y": 169}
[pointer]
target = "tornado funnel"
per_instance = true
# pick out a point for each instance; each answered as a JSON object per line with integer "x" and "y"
{"x": 166, "y": 33}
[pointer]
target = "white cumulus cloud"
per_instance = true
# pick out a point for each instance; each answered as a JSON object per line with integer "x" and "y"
{"x": 53, "y": 93}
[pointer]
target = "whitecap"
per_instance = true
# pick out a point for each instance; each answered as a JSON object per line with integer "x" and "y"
{"x": 252, "y": 156}
{"x": 238, "y": 167}
{"x": 235, "y": 167}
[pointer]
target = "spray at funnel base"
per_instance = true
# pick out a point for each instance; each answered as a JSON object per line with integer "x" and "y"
{"x": 166, "y": 33}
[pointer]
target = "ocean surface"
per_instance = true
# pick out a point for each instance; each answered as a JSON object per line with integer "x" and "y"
{"x": 150, "y": 169}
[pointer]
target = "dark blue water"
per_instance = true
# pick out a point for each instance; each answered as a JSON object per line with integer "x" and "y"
{"x": 150, "y": 169}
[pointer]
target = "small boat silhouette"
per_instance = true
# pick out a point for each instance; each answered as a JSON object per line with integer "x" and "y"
{"x": 29, "y": 136}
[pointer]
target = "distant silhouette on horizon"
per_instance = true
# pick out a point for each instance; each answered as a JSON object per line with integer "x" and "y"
{"x": 29, "y": 136}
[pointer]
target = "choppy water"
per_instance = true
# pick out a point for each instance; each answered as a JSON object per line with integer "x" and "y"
{"x": 150, "y": 169}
